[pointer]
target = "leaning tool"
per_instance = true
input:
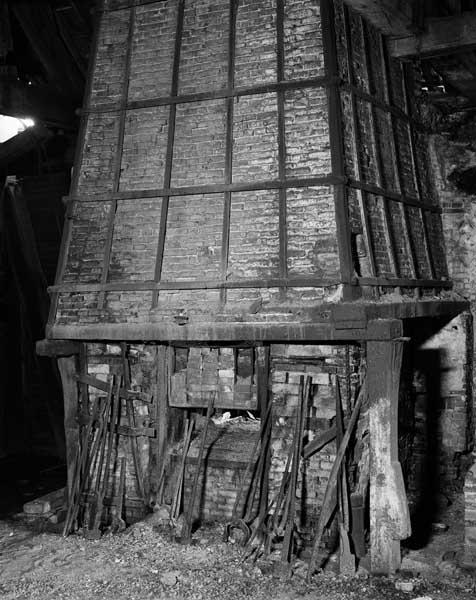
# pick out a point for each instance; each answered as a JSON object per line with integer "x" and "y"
{"x": 88, "y": 452}
{"x": 131, "y": 423}
{"x": 187, "y": 531}
{"x": 299, "y": 429}
{"x": 237, "y": 522}
{"x": 117, "y": 522}
{"x": 329, "y": 502}
{"x": 92, "y": 531}
{"x": 175, "y": 508}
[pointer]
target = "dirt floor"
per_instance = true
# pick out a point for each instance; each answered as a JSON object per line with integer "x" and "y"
{"x": 144, "y": 562}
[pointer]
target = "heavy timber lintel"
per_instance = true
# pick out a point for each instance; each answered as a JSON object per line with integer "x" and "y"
{"x": 441, "y": 36}
{"x": 345, "y": 322}
{"x": 392, "y": 17}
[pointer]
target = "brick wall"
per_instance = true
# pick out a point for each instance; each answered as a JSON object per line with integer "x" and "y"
{"x": 260, "y": 138}
{"x": 452, "y": 154}
{"x": 387, "y": 149}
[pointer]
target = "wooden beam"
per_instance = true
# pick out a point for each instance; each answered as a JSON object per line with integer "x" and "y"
{"x": 23, "y": 142}
{"x": 446, "y": 35}
{"x": 389, "y": 513}
{"x": 392, "y": 17}
{"x": 39, "y": 26}
{"x": 56, "y": 348}
{"x": 68, "y": 366}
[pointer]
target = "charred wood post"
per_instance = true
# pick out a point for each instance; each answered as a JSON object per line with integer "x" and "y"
{"x": 389, "y": 515}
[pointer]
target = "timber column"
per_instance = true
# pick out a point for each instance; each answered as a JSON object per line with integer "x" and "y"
{"x": 389, "y": 514}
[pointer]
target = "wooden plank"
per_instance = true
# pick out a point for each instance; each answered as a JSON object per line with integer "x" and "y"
{"x": 392, "y": 17}
{"x": 118, "y": 157}
{"x": 389, "y": 514}
{"x": 104, "y": 387}
{"x": 169, "y": 151}
{"x": 337, "y": 148}
{"x": 355, "y": 147}
{"x": 55, "y": 348}
{"x": 319, "y": 443}
{"x": 441, "y": 36}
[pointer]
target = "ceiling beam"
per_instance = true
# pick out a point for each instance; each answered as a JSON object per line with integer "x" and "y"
{"x": 38, "y": 24}
{"x": 391, "y": 17}
{"x": 447, "y": 35}
{"x": 22, "y": 143}
{"x": 42, "y": 103}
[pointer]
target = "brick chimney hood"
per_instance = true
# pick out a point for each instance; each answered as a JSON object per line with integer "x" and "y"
{"x": 245, "y": 170}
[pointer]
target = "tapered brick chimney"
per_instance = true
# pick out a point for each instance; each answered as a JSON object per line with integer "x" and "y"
{"x": 242, "y": 162}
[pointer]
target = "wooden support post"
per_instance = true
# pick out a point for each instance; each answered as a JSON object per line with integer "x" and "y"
{"x": 389, "y": 515}
{"x": 68, "y": 366}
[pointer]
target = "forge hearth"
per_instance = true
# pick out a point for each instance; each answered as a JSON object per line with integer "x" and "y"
{"x": 251, "y": 204}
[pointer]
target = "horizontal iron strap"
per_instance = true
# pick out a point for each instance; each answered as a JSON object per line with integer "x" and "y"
{"x": 145, "y": 286}
{"x": 378, "y": 103}
{"x": 397, "y": 197}
{"x": 236, "y": 92}
{"x": 127, "y": 5}
{"x": 217, "y": 188}
{"x": 416, "y": 283}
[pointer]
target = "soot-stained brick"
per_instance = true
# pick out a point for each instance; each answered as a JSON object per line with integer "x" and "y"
{"x": 193, "y": 243}
{"x": 199, "y": 148}
{"x": 110, "y": 61}
{"x": 366, "y": 149}
{"x": 204, "y": 51}
{"x": 303, "y": 47}
{"x": 307, "y": 133}
{"x": 152, "y": 52}
{"x": 254, "y": 237}
{"x": 311, "y": 233}
{"x": 255, "y": 138}
{"x": 144, "y": 148}
{"x": 374, "y": 206}
{"x": 397, "y": 229}
{"x": 341, "y": 41}
{"x": 86, "y": 250}
{"x": 417, "y": 234}
{"x": 384, "y": 140}
{"x": 255, "y": 47}
{"x": 135, "y": 240}
{"x": 404, "y": 150}
{"x": 99, "y": 154}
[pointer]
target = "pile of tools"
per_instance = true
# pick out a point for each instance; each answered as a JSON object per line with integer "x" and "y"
{"x": 275, "y": 524}
{"x": 96, "y": 460}
{"x": 276, "y": 521}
